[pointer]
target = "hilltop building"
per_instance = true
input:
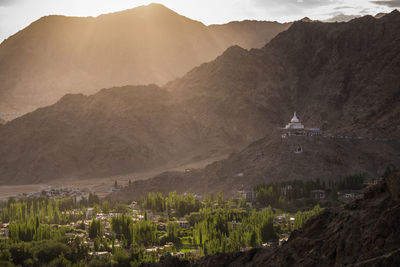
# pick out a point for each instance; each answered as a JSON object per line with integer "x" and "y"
{"x": 294, "y": 124}
{"x": 295, "y": 127}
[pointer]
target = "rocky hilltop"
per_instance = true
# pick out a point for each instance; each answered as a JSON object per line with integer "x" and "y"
{"x": 342, "y": 77}
{"x": 57, "y": 55}
{"x": 361, "y": 233}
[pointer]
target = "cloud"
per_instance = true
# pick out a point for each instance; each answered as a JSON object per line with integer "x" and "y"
{"x": 342, "y": 7}
{"x": 292, "y": 10}
{"x": 8, "y": 2}
{"x": 296, "y": 3}
{"x": 388, "y": 3}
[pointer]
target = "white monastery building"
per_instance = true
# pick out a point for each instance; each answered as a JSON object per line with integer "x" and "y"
{"x": 295, "y": 123}
{"x": 295, "y": 127}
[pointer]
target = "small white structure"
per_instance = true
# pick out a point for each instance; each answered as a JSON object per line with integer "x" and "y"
{"x": 298, "y": 150}
{"x": 294, "y": 123}
{"x": 89, "y": 213}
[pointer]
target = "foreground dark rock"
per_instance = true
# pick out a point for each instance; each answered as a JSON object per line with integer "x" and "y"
{"x": 362, "y": 233}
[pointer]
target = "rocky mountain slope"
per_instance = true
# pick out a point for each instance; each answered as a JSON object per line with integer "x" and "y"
{"x": 342, "y": 77}
{"x": 149, "y": 44}
{"x": 361, "y": 233}
{"x": 115, "y": 131}
{"x": 274, "y": 159}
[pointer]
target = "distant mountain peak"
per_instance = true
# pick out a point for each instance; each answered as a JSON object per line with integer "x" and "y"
{"x": 233, "y": 53}
{"x": 306, "y": 19}
{"x": 234, "y": 49}
{"x": 145, "y": 9}
{"x": 394, "y": 15}
{"x": 395, "y": 12}
{"x": 157, "y": 5}
{"x": 380, "y": 15}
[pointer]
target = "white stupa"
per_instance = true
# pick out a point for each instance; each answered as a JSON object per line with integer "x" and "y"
{"x": 294, "y": 123}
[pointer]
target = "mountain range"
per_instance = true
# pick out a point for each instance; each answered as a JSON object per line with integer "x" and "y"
{"x": 56, "y": 55}
{"x": 342, "y": 77}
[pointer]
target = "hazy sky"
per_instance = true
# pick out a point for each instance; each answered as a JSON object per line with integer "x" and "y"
{"x": 17, "y": 14}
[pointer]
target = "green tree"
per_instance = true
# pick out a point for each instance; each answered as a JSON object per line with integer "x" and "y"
{"x": 105, "y": 206}
{"x": 95, "y": 229}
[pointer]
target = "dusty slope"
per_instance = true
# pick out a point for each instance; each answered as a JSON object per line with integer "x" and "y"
{"x": 342, "y": 77}
{"x": 149, "y": 44}
{"x": 273, "y": 159}
{"x": 362, "y": 233}
{"x": 115, "y": 131}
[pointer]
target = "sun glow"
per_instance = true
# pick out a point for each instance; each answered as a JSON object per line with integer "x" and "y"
{"x": 17, "y": 14}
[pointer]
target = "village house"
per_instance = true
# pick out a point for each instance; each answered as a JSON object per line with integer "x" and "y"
{"x": 348, "y": 196}
{"x": 152, "y": 216}
{"x": 372, "y": 182}
{"x": 194, "y": 253}
{"x": 235, "y": 225}
{"x": 178, "y": 255}
{"x": 4, "y": 232}
{"x": 161, "y": 226}
{"x": 57, "y": 192}
{"x": 318, "y": 194}
{"x": 286, "y": 189}
{"x": 133, "y": 205}
{"x": 99, "y": 253}
{"x": 284, "y": 238}
{"x": 313, "y": 131}
{"x": 268, "y": 244}
{"x": 280, "y": 219}
{"x": 156, "y": 250}
{"x": 89, "y": 213}
{"x": 183, "y": 224}
{"x": 250, "y": 196}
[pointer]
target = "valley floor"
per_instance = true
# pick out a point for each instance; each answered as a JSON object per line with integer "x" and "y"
{"x": 101, "y": 186}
